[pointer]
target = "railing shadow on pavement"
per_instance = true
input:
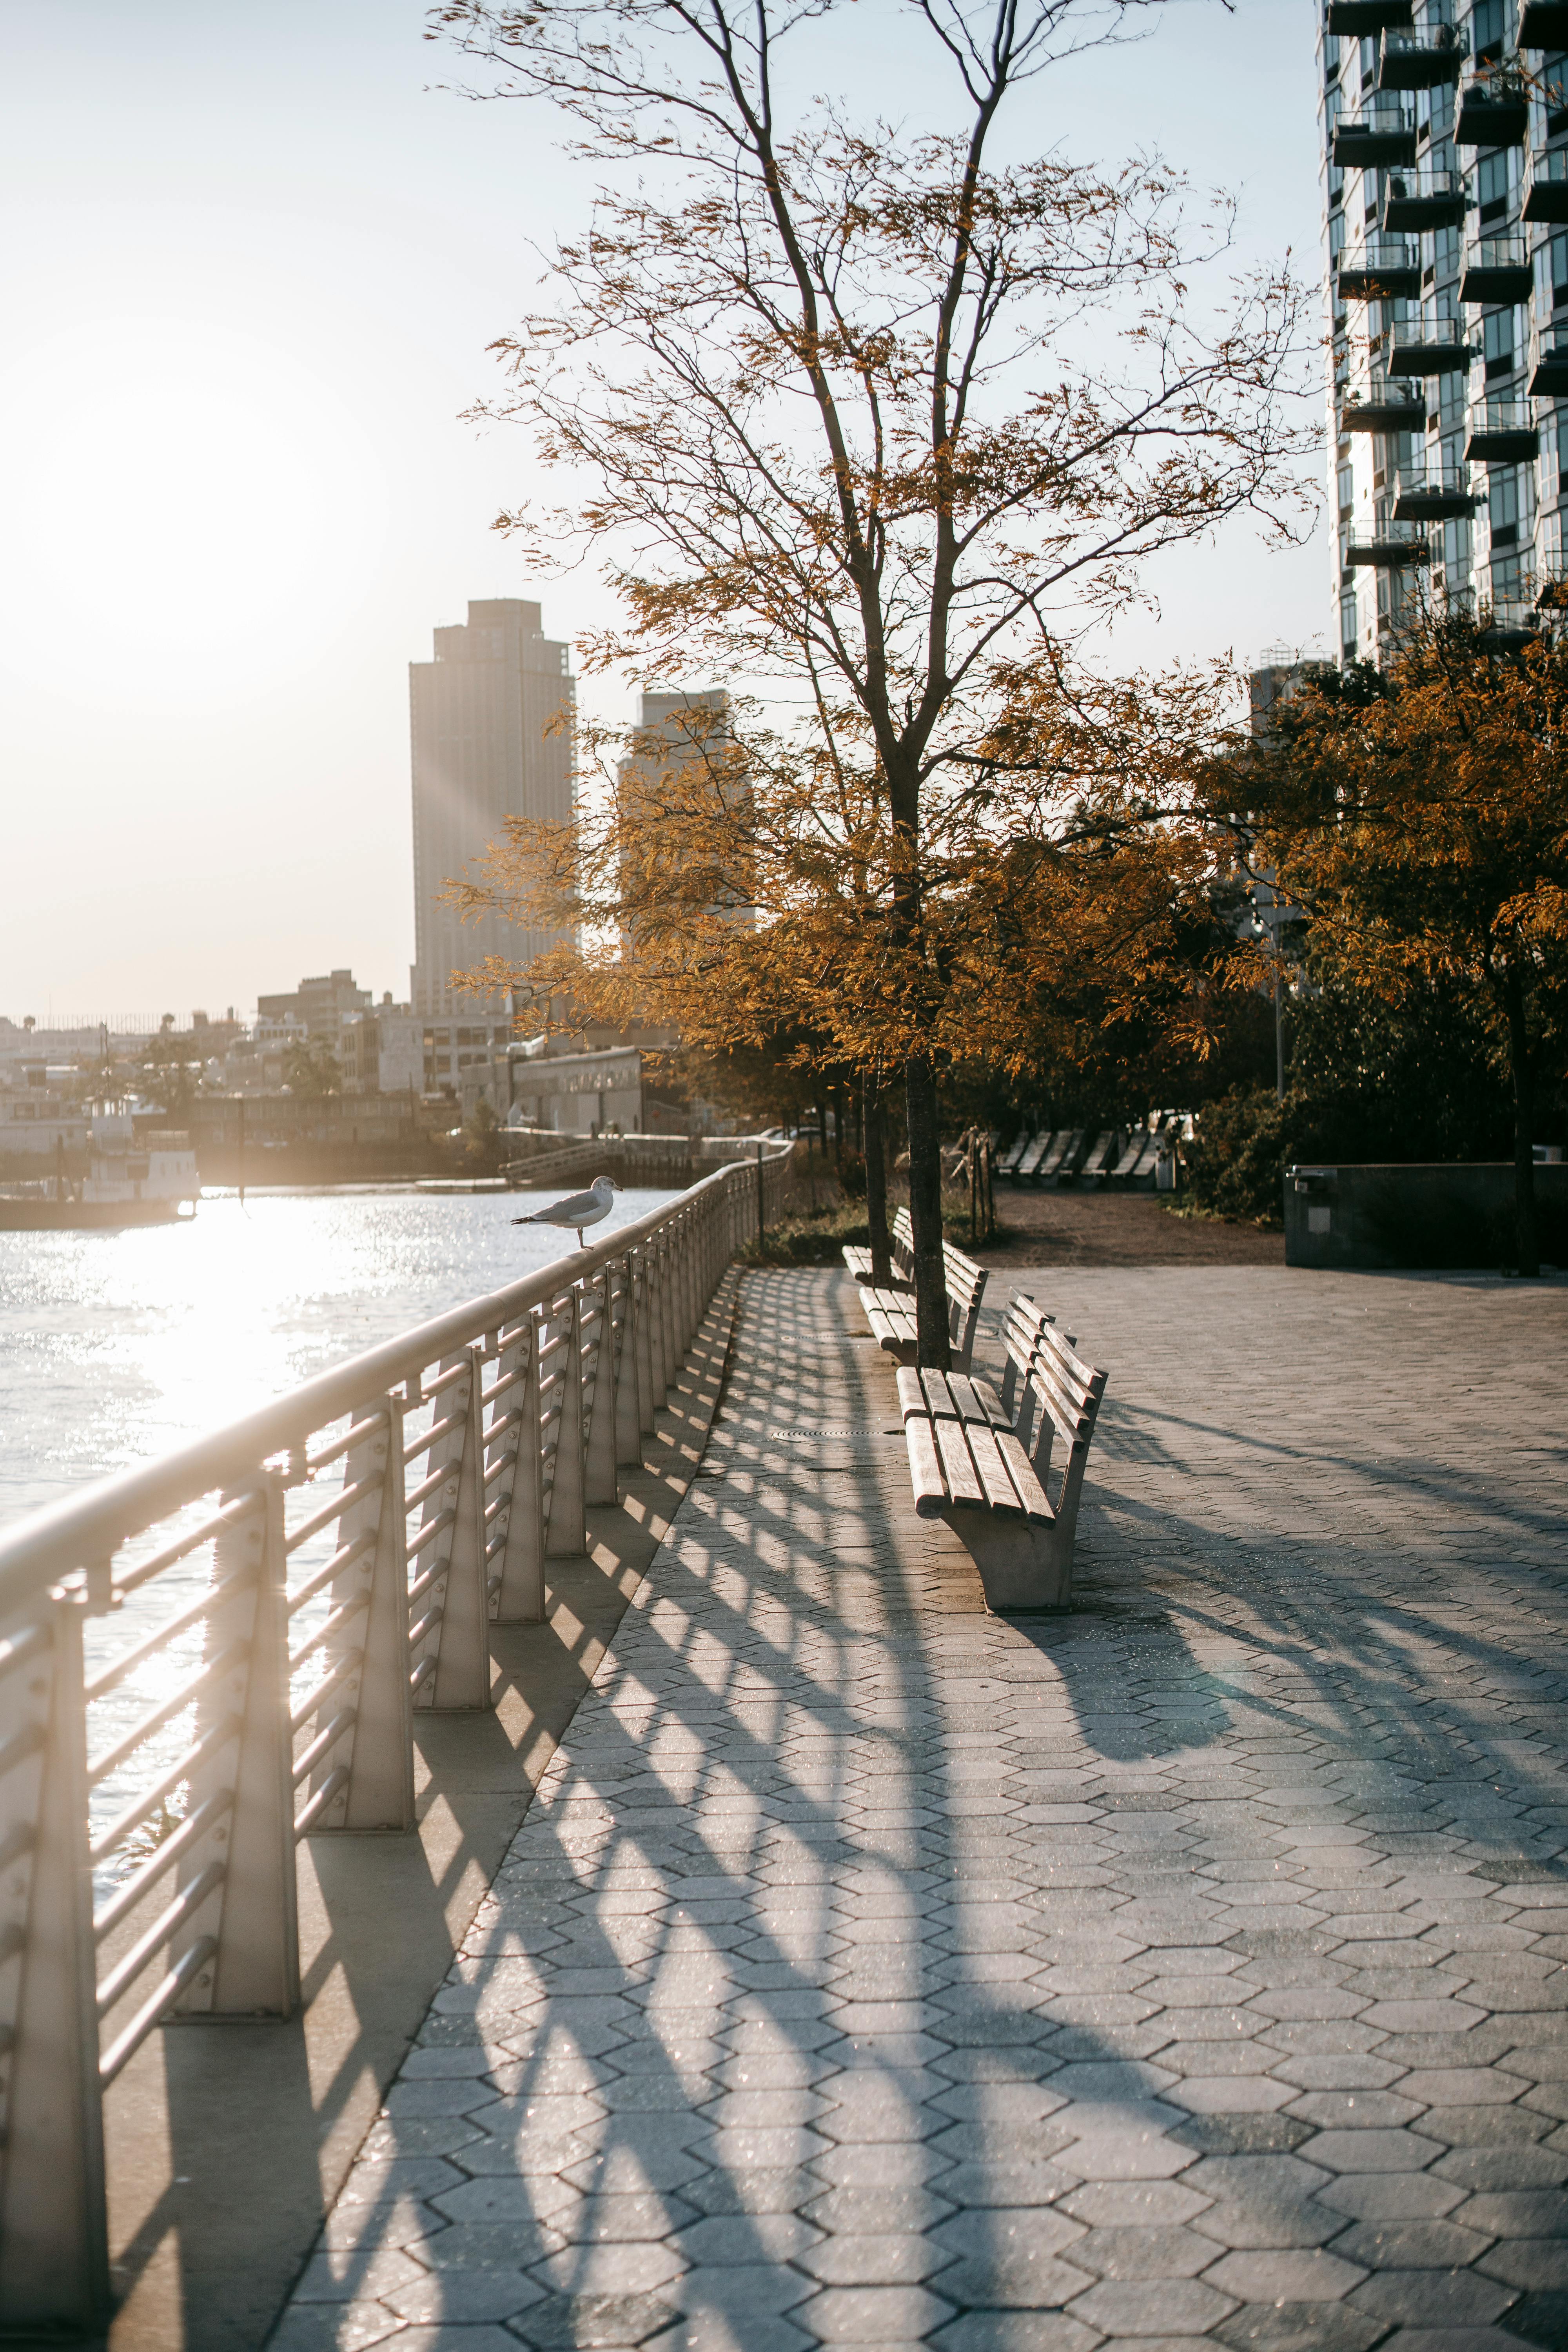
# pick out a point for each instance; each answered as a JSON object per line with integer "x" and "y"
{"x": 247, "y": 1663}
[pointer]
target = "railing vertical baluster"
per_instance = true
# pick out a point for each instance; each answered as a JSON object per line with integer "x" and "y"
{"x": 54, "y": 2247}
{"x": 628, "y": 1411}
{"x": 600, "y": 1484}
{"x": 520, "y": 1583}
{"x": 663, "y": 1375}
{"x": 461, "y": 1681}
{"x": 566, "y": 1533}
{"x": 378, "y": 1749}
{"x": 643, "y": 1308}
{"x": 252, "y": 1913}
{"x": 690, "y": 1305}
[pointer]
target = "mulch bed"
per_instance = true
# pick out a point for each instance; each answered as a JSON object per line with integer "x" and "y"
{"x": 1117, "y": 1229}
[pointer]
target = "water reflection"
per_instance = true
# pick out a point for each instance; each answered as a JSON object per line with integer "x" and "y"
{"x": 114, "y": 1347}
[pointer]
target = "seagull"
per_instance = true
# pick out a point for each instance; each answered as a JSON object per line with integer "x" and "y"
{"x": 579, "y": 1210}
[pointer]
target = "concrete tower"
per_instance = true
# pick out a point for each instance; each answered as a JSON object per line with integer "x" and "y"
{"x": 483, "y": 716}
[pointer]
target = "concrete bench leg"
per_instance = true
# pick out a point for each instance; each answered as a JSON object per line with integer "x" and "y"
{"x": 1020, "y": 1567}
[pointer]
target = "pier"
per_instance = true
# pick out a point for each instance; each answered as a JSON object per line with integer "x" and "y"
{"x": 772, "y": 1947}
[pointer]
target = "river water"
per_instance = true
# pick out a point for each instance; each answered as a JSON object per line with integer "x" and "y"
{"x": 115, "y": 1347}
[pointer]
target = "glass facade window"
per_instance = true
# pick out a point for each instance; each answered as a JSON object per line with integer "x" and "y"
{"x": 1552, "y": 270}
{"x": 1475, "y": 413}
{"x": 1491, "y": 187}
{"x": 1502, "y": 505}
{"x": 1498, "y": 343}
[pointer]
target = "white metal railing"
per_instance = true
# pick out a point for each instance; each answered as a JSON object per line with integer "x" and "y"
{"x": 205, "y": 1659}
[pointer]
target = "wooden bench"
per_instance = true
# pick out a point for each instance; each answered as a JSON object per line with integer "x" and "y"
{"x": 891, "y": 1312}
{"x": 983, "y": 1463}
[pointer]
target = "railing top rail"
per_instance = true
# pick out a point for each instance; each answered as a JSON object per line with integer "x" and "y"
{"x": 47, "y": 1544}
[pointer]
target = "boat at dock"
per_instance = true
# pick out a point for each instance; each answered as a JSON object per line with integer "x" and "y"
{"x": 146, "y": 1180}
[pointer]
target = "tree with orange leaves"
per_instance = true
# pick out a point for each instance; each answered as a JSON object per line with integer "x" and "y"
{"x": 1419, "y": 816}
{"x": 739, "y": 887}
{"x": 871, "y": 420}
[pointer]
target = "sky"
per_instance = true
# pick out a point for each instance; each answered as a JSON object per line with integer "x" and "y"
{"x": 250, "y": 264}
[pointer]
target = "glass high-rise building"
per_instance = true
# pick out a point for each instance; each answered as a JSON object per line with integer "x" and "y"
{"x": 491, "y": 739}
{"x": 1446, "y": 187}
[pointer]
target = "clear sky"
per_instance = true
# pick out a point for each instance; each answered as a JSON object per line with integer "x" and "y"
{"x": 251, "y": 261}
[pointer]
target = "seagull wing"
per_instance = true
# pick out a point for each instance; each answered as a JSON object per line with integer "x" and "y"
{"x": 578, "y": 1208}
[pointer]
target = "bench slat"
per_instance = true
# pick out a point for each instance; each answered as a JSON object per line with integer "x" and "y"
{"x": 938, "y": 1398}
{"x": 1030, "y": 1492}
{"x": 1000, "y": 1492}
{"x": 925, "y": 1469}
{"x": 976, "y": 1401}
{"x": 991, "y": 1404}
{"x": 964, "y": 1484}
{"x": 890, "y": 1331}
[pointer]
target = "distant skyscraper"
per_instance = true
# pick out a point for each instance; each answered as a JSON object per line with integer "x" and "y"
{"x": 680, "y": 734}
{"x": 482, "y": 715}
{"x": 1445, "y": 180}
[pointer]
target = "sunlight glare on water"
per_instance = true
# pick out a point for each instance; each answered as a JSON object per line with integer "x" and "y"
{"x": 116, "y": 1347}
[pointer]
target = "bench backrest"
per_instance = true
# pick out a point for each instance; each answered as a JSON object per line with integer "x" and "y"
{"x": 964, "y": 1280}
{"x": 1050, "y": 1393}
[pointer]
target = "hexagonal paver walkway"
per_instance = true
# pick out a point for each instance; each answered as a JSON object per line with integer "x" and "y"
{"x": 1185, "y": 1968}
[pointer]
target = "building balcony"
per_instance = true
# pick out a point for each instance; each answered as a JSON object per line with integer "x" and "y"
{"x": 1546, "y": 185}
{"x": 1548, "y": 376}
{"x": 1427, "y": 347}
{"x": 1544, "y": 25}
{"x": 1374, "y": 141}
{"x": 1379, "y": 406}
{"x": 1494, "y": 110}
{"x": 1497, "y": 270}
{"x": 1383, "y": 545}
{"x": 1509, "y": 625}
{"x": 1422, "y": 200}
{"x": 1382, "y": 407}
{"x": 1433, "y": 494}
{"x": 1420, "y": 60}
{"x": 1503, "y": 433}
{"x": 1386, "y": 269}
{"x": 1360, "y": 18}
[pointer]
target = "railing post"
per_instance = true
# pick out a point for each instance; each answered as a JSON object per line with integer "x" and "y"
{"x": 251, "y": 1914}
{"x": 566, "y": 1532}
{"x": 377, "y": 1748}
{"x": 518, "y": 1584}
{"x": 600, "y": 1484}
{"x": 644, "y": 1306}
{"x": 667, "y": 1359}
{"x": 54, "y": 2241}
{"x": 628, "y": 1412}
{"x": 461, "y": 1680}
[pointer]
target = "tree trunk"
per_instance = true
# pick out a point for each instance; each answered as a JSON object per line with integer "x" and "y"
{"x": 925, "y": 1215}
{"x": 873, "y": 1134}
{"x": 1521, "y": 1060}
